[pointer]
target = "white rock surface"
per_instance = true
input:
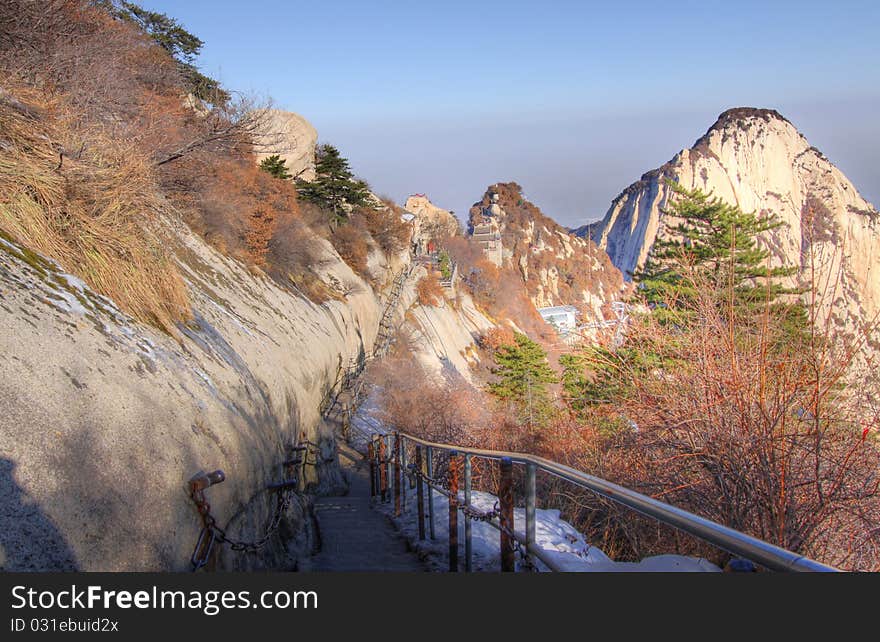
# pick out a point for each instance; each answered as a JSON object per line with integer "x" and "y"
{"x": 104, "y": 419}
{"x": 293, "y": 138}
{"x": 445, "y": 336}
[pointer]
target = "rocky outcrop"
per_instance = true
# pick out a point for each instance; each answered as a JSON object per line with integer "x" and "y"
{"x": 430, "y": 222}
{"x": 293, "y": 138}
{"x": 444, "y": 337}
{"x": 756, "y": 159}
{"x": 556, "y": 267}
{"x": 105, "y": 419}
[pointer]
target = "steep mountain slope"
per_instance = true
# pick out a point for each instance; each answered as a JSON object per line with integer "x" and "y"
{"x": 557, "y": 268}
{"x": 106, "y": 418}
{"x": 758, "y": 160}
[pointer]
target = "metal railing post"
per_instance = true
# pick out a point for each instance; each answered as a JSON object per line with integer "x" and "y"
{"x": 402, "y": 471}
{"x": 505, "y": 500}
{"x": 468, "y": 551}
{"x": 389, "y": 444}
{"x": 723, "y": 537}
{"x": 397, "y": 474}
{"x": 531, "y": 525}
{"x": 383, "y": 470}
{"x": 303, "y": 467}
{"x": 371, "y": 456}
{"x": 420, "y": 493}
{"x": 452, "y": 483}
{"x": 429, "y": 452}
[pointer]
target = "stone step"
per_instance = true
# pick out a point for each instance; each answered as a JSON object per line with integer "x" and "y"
{"x": 353, "y": 536}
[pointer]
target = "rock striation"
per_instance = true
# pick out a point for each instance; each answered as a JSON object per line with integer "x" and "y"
{"x": 105, "y": 419}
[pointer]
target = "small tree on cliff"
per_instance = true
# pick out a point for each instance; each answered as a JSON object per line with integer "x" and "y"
{"x": 169, "y": 34}
{"x": 335, "y": 188}
{"x": 523, "y": 376}
{"x": 276, "y": 166}
{"x": 718, "y": 242}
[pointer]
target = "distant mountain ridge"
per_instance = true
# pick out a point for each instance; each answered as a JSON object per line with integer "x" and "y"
{"x": 758, "y": 160}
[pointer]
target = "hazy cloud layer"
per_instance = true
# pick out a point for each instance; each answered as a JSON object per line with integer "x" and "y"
{"x": 573, "y": 167}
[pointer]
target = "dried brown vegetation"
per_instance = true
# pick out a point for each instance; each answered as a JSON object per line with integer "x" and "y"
{"x": 429, "y": 290}
{"x": 100, "y": 140}
{"x": 499, "y": 292}
{"x": 93, "y": 212}
{"x": 353, "y": 244}
{"x": 386, "y": 226}
{"x": 443, "y": 408}
{"x": 740, "y": 421}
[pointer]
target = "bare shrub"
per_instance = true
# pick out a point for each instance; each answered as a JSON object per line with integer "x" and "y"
{"x": 429, "y": 290}
{"x": 429, "y": 405}
{"x": 91, "y": 213}
{"x": 352, "y": 243}
{"x": 293, "y": 254}
{"x": 233, "y": 126}
{"x": 386, "y": 226}
{"x": 748, "y": 425}
{"x": 494, "y": 338}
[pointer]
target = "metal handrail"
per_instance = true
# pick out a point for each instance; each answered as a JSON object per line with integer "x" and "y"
{"x": 734, "y": 542}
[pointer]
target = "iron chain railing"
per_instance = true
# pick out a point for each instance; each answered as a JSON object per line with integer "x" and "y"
{"x": 213, "y": 534}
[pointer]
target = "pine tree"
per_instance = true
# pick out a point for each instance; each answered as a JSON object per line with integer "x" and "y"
{"x": 523, "y": 376}
{"x": 276, "y": 166}
{"x": 445, "y": 264}
{"x": 335, "y": 187}
{"x": 718, "y": 244}
{"x": 182, "y": 45}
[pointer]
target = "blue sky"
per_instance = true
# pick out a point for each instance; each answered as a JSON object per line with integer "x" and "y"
{"x": 573, "y": 100}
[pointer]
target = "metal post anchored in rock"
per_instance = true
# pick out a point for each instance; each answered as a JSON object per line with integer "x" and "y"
{"x": 420, "y": 492}
{"x": 383, "y": 471}
{"x": 505, "y": 499}
{"x": 397, "y": 474}
{"x": 452, "y": 482}
{"x": 371, "y": 456}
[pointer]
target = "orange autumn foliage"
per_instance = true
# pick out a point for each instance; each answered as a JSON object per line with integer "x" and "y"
{"x": 429, "y": 290}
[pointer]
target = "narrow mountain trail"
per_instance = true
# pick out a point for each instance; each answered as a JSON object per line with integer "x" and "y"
{"x": 353, "y": 536}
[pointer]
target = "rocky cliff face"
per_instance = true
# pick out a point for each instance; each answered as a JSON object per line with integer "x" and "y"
{"x": 105, "y": 419}
{"x": 432, "y": 222}
{"x": 557, "y": 268}
{"x": 756, "y": 159}
{"x": 293, "y": 138}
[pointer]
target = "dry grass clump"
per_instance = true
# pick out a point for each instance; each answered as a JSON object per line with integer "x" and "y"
{"x": 353, "y": 246}
{"x": 91, "y": 210}
{"x": 386, "y": 226}
{"x": 429, "y": 290}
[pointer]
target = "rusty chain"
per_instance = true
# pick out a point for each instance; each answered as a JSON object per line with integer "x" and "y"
{"x": 212, "y": 533}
